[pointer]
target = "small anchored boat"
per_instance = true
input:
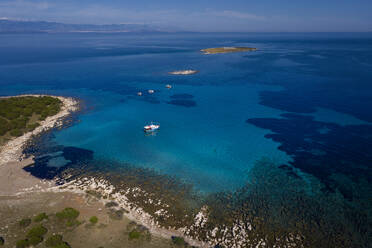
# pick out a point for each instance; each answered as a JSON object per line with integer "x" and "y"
{"x": 150, "y": 91}
{"x": 168, "y": 86}
{"x": 151, "y": 128}
{"x": 139, "y": 93}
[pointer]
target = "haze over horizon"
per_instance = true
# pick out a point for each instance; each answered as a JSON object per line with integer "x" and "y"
{"x": 221, "y": 16}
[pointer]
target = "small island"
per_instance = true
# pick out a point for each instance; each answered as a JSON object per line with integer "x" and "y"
{"x": 227, "y": 50}
{"x": 183, "y": 72}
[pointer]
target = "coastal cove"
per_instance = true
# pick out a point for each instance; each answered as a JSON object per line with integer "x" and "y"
{"x": 255, "y": 149}
{"x": 28, "y": 193}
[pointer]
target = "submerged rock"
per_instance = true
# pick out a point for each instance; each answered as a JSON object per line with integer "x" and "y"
{"x": 183, "y": 103}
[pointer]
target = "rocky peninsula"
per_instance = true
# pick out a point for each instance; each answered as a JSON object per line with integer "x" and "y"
{"x": 227, "y": 50}
{"x": 24, "y": 116}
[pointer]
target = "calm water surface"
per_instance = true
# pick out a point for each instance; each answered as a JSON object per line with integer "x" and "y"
{"x": 301, "y": 100}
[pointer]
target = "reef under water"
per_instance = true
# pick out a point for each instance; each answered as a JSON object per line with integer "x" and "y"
{"x": 325, "y": 150}
{"x": 185, "y": 100}
{"x": 278, "y": 206}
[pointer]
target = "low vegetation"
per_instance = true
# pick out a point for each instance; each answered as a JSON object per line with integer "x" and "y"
{"x": 34, "y": 240}
{"x": 19, "y": 115}
{"x": 69, "y": 216}
{"x": 25, "y": 222}
{"x": 37, "y": 231}
{"x": 40, "y": 217}
{"x": 2, "y": 241}
{"x": 23, "y": 243}
{"x": 33, "y": 237}
{"x": 56, "y": 241}
{"x": 134, "y": 234}
{"x": 138, "y": 232}
{"x": 179, "y": 241}
{"x": 93, "y": 219}
{"x": 63, "y": 245}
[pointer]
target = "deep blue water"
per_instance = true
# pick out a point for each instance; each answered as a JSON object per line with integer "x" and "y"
{"x": 303, "y": 100}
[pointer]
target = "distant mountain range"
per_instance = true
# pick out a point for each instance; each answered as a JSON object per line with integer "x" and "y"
{"x": 15, "y": 26}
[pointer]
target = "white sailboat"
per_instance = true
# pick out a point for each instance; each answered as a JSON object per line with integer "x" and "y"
{"x": 151, "y": 128}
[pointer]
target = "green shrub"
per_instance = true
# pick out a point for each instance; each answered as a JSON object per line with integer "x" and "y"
{"x": 40, "y": 217}
{"x": 44, "y": 114}
{"x": 31, "y": 127}
{"x": 4, "y": 126}
{"x": 73, "y": 222}
{"x": 19, "y": 123}
{"x": 27, "y": 111}
{"x": 34, "y": 240}
{"x": 63, "y": 245}
{"x": 178, "y": 241}
{"x": 16, "y": 132}
{"x": 25, "y": 222}
{"x": 22, "y": 243}
{"x": 54, "y": 240}
{"x": 68, "y": 214}
{"x": 39, "y": 231}
{"x": 134, "y": 234}
{"x": 93, "y": 219}
{"x": 11, "y": 115}
{"x": 2, "y": 241}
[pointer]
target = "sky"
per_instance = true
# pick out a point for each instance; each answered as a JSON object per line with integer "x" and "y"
{"x": 203, "y": 15}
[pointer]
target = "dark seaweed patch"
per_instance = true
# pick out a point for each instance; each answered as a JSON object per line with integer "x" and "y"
{"x": 345, "y": 150}
{"x": 182, "y": 96}
{"x": 183, "y": 103}
{"x": 184, "y": 100}
{"x": 77, "y": 155}
{"x": 151, "y": 99}
{"x": 288, "y": 101}
{"x": 289, "y": 171}
{"x": 72, "y": 155}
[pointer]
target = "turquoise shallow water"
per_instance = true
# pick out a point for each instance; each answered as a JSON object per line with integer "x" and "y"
{"x": 209, "y": 145}
{"x": 222, "y": 119}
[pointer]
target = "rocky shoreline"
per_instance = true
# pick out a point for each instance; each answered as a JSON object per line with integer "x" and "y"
{"x": 107, "y": 193}
{"x": 17, "y": 182}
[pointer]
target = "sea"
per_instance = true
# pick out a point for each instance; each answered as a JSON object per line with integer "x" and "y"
{"x": 302, "y": 101}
